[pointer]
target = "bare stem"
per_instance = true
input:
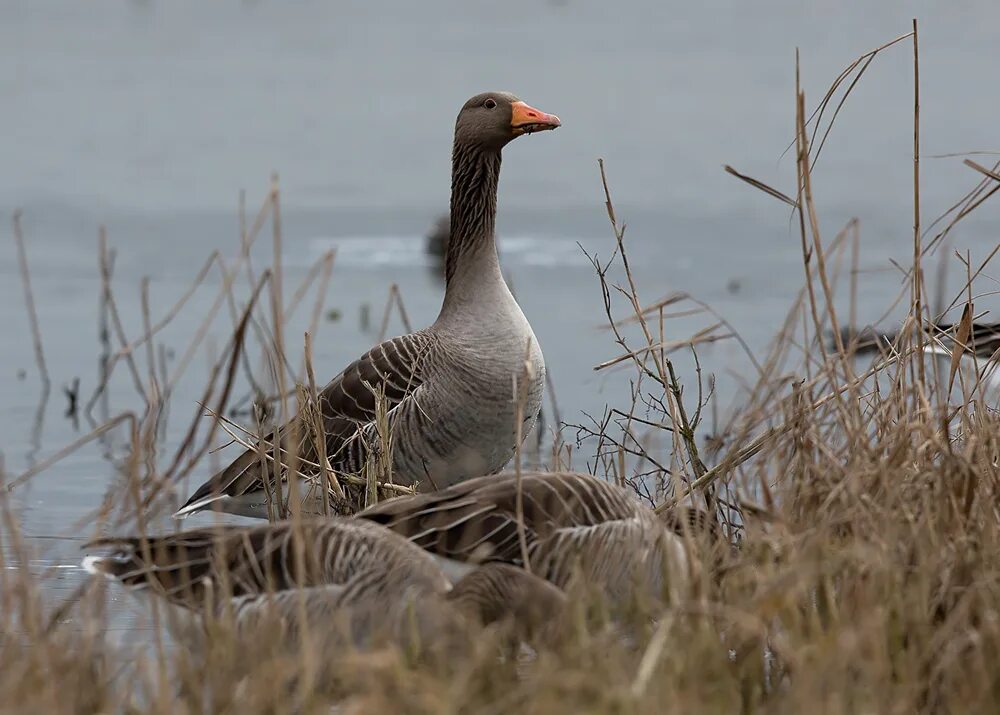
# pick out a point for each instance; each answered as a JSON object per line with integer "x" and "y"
{"x": 29, "y": 302}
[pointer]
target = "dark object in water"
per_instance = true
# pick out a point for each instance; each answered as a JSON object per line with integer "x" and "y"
{"x": 72, "y": 393}
{"x": 437, "y": 239}
{"x": 865, "y": 341}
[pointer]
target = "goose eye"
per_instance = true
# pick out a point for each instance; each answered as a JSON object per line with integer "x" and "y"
{"x": 490, "y": 104}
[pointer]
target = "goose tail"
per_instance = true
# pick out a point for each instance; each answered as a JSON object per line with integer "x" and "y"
{"x": 224, "y": 486}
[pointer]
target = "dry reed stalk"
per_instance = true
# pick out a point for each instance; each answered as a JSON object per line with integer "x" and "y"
{"x": 550, "y": 390}
{"x": 171, "y": 313}
{"x": 857, "y": 68}
{"x": 519, "y": 394}
{"x": 853, "y": 226}
{"x": 242, "y": 437}
{"x": 918, "y": 274}
{"x": 705, "y": 335}
{"x": 663, "y": 367}
{"x": 72, "y": 447}
{"x": 378, "y": 463}
{"x": 329, "y": 482}
{"x": 247, "y": 237}
{"x": 277, "y": 317}
{"x": 116, "y": 322}
{"x": 982, "y": 169}
{"x": 154, "y": 390}
{"x": 29, "y": 304}
{"x": 395, "y": 298}
{"x": 817, "y": 244}
{"x": 757, "y": 184}
{"x": 322, "y": 269}
{"x": 175, "y": 471}
{"x": 971, "y": 201}
{"x": 321, "y": 291}
{"x": 754, "y": 447}
{"x": 809, "y": 225}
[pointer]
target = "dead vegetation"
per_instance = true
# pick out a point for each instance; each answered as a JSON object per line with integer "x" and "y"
{"x": 860, "y": 501}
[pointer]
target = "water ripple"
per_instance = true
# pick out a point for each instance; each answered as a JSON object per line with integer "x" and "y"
{"x": 382, "y": 251}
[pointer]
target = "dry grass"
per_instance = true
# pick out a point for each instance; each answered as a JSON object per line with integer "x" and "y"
{"x": 861, "y": 504}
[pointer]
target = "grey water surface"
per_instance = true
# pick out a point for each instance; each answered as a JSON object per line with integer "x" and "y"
{"x": 149, "y": 117}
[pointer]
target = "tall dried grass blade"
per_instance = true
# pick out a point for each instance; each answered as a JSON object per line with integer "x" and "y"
{"x": 961, "y": 343}
{"x": 757, "y": 184}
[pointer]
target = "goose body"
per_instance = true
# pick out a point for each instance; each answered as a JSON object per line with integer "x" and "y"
{"x": 980, "y": 352}
{"x": 349, "y": 579}
{"x": 575, "y": 525}
{"x": 448, "y": 389}
{"x": 983, "y": 341}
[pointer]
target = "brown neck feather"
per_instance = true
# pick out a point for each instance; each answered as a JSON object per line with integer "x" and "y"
{"x": 474, "y": 176}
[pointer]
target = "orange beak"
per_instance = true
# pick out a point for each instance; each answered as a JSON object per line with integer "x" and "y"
{"x": 526, "y": 119}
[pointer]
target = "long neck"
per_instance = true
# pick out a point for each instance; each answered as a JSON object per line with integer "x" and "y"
{"x": 474, "y": 177}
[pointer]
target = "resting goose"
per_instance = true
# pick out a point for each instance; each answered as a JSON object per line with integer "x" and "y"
{"x": 574, "y": 525}
{"x": 448, "y": 388}
{"x": 983, "y": 341}
{"x": 350, "y": 579}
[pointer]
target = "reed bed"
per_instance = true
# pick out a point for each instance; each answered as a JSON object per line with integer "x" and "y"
{"x": 857, "y": 502}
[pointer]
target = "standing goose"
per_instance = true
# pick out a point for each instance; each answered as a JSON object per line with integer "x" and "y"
{"x": 573, "y": 524}
{"x": 347, "y": 577}
{"x": 448, "y": 388}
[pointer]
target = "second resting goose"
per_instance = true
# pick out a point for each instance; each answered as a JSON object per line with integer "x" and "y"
{"x": 575, "y": 526}
{"x": 448, "y": 389}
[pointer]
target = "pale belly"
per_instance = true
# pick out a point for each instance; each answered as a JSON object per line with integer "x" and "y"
{"x": 472, "y": 428}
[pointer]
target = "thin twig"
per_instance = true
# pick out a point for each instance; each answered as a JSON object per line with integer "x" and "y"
{"x": 918, "y": 276}
{"x": 70, "y": 448}
{"x": 982, "y": 169}
{"x": 29, "y": 302}
{"x": 757, "y": 184}
{"x": 665, "y": 366}
{"x": 520, "y": 398}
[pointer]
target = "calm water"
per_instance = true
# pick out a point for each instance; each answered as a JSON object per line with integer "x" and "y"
{"x": 149, "y": 117}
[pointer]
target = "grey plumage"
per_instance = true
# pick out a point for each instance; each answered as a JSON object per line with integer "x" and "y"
{"x": 448, "y": 389}
{"x": 207, "y": 567}
{"x": 352, "y": 581}
{"x": 498, "y": 593}
{"x": 575, "y": 525}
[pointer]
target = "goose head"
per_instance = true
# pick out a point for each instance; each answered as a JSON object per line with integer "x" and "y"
{"x": 491, "y": 119}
